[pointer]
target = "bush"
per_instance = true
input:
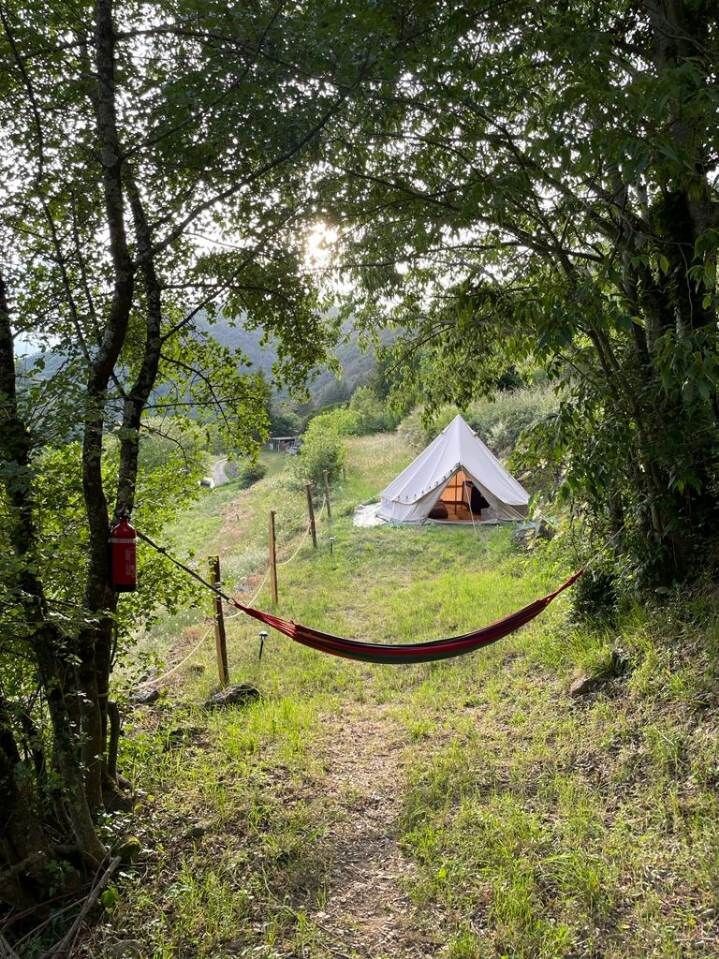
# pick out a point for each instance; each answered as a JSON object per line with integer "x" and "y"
{"x": 342, "y": 421}
{"x": 249, "y": 472}
{"x": 498, "y": 421}
{"x": 374, "y": 415}
{"x": 502, "y": 421}
{"x": 246, "y": 472}
{"x": 416, "y": 432}
{"x": 284, "y": 421}
{"x": 366, "y": 413}
{"x": 594, "y": 597}
{"x": 172, "y": 441}
{"x": 322, "y": 449}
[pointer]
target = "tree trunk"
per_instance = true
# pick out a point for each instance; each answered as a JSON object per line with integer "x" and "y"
{"x": 51, "y": 649}
{"x": 24, "y": 846}
{"x": 100, "y": 599}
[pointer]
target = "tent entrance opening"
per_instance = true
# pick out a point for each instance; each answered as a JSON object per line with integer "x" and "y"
{"x": 460, "y": 502}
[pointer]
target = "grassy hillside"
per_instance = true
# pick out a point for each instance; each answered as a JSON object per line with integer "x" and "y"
{"x": 467, "y": 809}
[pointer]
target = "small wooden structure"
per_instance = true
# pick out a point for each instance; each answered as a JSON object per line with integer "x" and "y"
{"x": 284, "y": 444}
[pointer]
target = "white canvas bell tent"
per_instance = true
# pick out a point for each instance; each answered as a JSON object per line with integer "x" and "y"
{"x": 455, "y": 479}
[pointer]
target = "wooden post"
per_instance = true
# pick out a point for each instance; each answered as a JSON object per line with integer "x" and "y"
{"x": 326, "y": 475}
{"x": 273, "y": 558}
{"x": 311, "y": 511}
{"x": 220, "y": 635}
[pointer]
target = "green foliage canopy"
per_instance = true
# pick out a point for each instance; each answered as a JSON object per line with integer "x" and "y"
{"x": 539, "y": 187}
{"x": 154, "y": 170}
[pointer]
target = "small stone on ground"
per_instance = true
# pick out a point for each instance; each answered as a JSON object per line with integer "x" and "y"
{"x": 239, "y": 695}
{"x": 145, "y": 697}
{"x": 125, "y": 949}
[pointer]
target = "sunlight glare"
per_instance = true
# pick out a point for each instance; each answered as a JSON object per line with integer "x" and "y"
{"x": 321, "y": 239}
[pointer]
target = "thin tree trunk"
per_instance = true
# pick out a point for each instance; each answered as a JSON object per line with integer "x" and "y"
{"x": 23, "y": 837}
{"x": 52, "y": 651}
{"x": 147, "y": 374}
{"x": 96, "y": 642}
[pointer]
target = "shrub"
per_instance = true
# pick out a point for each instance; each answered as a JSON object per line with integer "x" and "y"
{"x": 250, "y": 472}
{"x": 342, "y": 421}
{"x": 594, "y": 596}
{"x": 284, "y": 421}
{"x": 246, "y": 472}
{"x": 501, "y": 421}
{"x": 498, "y": 421}
{"x": 322, "y": 449}
{"x": 172, "y": 441}
{"x": 417, "y": 432}
{"x": 374, "y": 415}
{"x": 366, "y": 413}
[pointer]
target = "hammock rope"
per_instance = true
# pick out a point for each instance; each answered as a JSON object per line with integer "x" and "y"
{"x": 390, "y": 653}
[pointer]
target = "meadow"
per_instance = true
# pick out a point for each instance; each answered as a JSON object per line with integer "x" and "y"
{"x": 467, "y": 809}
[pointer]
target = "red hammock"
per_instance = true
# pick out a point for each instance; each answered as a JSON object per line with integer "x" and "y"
{"x": 409, "y": 652}
{"x": 397, "y": 653}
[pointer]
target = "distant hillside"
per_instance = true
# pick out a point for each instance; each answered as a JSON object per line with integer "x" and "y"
{"x": 325, "y": 389}
{"x": 357, "y": 364}
{"x": 236, "y": 337}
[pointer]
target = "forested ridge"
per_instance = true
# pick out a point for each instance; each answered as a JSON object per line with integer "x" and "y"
{"x": 495, "y": 194}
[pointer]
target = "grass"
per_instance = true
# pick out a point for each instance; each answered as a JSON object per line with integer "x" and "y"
{"x": 201, "y": 525}
{"x": 533, "y": 824}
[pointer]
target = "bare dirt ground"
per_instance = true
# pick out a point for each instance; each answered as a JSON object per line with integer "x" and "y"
{"x": 368, "y": 912}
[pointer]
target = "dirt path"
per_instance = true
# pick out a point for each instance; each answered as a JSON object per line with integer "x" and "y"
{"x": 368, "y": 914}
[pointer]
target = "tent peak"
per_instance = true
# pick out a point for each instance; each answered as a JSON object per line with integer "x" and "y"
{"x": 459, "y": 420}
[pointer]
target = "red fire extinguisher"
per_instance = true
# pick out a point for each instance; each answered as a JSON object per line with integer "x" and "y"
{"x": 123, "y": 556}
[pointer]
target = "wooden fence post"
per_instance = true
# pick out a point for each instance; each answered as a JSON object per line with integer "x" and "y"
{"x": 326, "y": 475}
{"x": 311, "y": 511}
{"x": 220, "y": 635}
{"x": 273, "y": 558}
